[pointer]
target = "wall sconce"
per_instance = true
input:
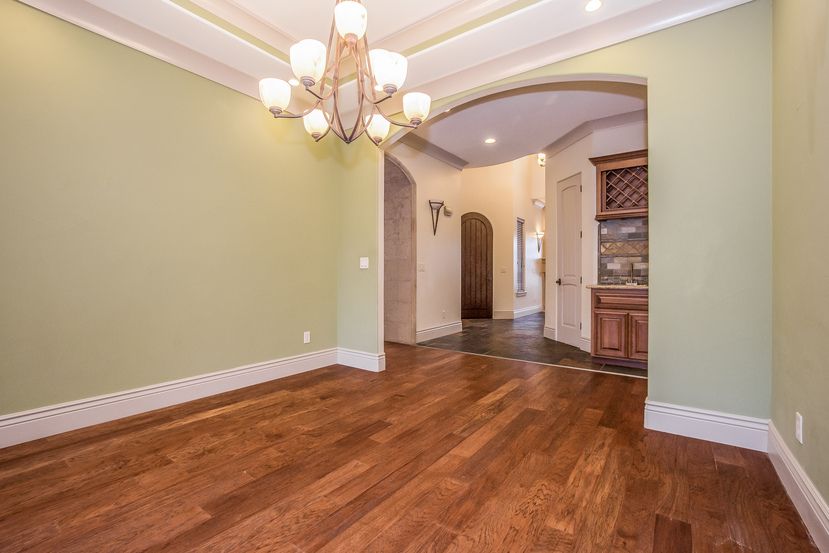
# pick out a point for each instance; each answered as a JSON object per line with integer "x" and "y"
{"x": 436, "y": 206}
{"x": 539, "y": 203}
{"x": 539, "y": 235}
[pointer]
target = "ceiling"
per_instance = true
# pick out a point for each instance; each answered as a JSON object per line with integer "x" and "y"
{"x": 452, "y": 45}
{"x": 526, "y": 120}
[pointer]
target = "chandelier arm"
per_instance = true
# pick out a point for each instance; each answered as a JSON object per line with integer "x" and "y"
{"x": 290, "y": 115}
{"x": 393, "y": 122}
{"x": 359, "y": 125}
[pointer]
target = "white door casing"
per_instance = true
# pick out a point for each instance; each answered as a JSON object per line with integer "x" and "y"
{"x": 568, "y": 260}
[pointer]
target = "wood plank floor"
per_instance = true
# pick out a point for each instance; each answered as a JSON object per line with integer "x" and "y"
{"x": 442, "y": 452}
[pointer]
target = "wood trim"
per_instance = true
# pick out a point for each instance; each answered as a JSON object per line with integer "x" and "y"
{"x": 603, "y": 164}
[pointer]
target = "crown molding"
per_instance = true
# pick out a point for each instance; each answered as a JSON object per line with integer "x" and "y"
{"x": 589, "y": 127}
{"x": 424, "y": 146}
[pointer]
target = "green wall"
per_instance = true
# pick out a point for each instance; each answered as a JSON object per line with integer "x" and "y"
{"x": 801, "y": 267}
{"x": 155, "y": 225}
{"x": 709, "y": 132}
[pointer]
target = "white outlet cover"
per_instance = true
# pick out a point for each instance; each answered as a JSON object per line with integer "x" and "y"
{"x": 798, "y": 427}
{"x": 364, "y": 262}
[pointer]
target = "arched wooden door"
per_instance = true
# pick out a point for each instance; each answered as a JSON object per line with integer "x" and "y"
{"x": 476, "y": 267}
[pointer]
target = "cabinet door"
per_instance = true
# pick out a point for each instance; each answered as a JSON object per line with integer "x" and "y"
{"x": 638, "y": 336}
{"x": 610, "y": 331}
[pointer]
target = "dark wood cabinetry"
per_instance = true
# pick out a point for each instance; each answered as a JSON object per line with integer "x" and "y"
{"x": 621, "y": 185}
{"x": 620, "y": 325}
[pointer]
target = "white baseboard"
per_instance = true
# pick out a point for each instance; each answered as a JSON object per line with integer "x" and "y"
{"x": 550, "y": 332}
{"x": 805, "y": 496}
{"x": 518, "y": 313}
{"x": 16, "y": 428}
{"x": 526, "y": 311}
{"x": 714, "y": 426}
{"x": 438, "y": 331}
{"x": 584, "y": 344}
{"x": 374, "y": 362}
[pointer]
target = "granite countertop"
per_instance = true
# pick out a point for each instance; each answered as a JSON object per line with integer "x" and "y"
{"x": 618, "y": 286}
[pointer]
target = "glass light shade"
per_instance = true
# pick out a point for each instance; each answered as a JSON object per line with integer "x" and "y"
{"x": 308, "y": 60}
{"x": 351, "y": 18}
{"x": 377, "y": 127}
{"x": 389, "y": 69}
{"x": 416, "y": 106}
{"x": 316, "y": 123}
{"x": 275, "y": 94}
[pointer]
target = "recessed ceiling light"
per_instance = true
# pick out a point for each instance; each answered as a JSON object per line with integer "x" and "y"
{"x": 490, "y": 141}
{"x": 593, "y": 5}
{"x": 293, "y": 82}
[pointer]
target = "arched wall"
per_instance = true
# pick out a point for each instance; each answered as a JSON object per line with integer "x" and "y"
{"x": 709, "y": 102}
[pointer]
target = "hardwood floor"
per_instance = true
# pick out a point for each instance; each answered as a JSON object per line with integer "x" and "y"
{"x": 442, "y": 452}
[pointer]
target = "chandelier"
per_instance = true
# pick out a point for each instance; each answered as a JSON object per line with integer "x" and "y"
{"x": 378, "y": 74}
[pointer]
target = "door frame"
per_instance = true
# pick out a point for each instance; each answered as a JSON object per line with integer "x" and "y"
{"x": 489, "y": 263}
{"x": 564, "y": 334}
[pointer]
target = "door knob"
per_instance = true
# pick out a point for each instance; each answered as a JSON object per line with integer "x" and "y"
{"x": 558, "y": 281}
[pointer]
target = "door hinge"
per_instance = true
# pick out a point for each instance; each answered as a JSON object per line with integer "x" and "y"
{"x": 581, "y": 234}
{"x": 581, "y": 280}
{"x": 581, "y": 188}
{"x": 579, "y": 326}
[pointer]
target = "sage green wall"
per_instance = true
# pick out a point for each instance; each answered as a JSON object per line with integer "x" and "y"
{"x": 358, "y": 293}
{"x": 709, "y": 134}
{"x": 153, "y": 225}
{"x": 801, "y": 194}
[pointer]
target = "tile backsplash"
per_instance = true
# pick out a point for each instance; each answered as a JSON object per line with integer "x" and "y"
{"x": 623, "y": 251}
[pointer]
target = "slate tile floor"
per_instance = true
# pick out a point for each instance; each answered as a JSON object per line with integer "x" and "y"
{"x": 521, "y": 339}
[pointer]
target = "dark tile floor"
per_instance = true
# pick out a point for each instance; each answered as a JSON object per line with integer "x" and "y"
{"x": 522, "y": 339}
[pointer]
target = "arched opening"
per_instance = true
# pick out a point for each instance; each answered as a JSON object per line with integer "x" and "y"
{"x": 552, "y": 247}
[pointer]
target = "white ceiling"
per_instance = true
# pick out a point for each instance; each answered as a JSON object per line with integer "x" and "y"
{"x": 468, "y": 43}
{"x": 526, "y": 121}
{"x": 312, "y": 18}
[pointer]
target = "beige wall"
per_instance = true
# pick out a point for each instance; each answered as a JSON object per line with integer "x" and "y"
{"x": 155, "y": 225}
{"x": 438, "y": 255}
{"x": 561, "y": 165}
{"x": 801, "y": 267}
{"x": 503, "y": 193}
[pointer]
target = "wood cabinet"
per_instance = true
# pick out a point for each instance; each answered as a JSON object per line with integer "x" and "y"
{"x": 621, "y": 185}
{"x": 620, "y": 325}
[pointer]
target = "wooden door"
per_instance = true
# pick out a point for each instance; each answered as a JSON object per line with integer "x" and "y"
{"x": 638, "y": 347}
{"x": 476, "y": 267}
{"x": 610, "y": 333}
{"x": 568, "y": 261}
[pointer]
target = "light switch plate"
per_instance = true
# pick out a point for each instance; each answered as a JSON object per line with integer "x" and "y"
{"x": 364, "y": 262}
{"x": 306, "y": 337}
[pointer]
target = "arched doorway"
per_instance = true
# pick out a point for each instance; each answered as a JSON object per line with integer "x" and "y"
{"x": 476, "y": 266}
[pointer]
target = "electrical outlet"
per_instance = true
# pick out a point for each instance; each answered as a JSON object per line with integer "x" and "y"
{"x": 443, "y": 314}
{"x": 364, "y": 263}
{"x": 306, "y": 337}
{"x": 798, "y": 427}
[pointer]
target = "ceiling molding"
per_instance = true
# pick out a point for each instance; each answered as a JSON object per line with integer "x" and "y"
{"x": 421, "y": 145}
{"x": 536, "y": 34}
{"x": 589, "y": 127}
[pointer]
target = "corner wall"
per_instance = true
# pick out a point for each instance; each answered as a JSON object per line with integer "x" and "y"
{"x": 801, "y": 267}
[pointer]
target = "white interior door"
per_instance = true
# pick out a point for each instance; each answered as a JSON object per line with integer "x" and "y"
{"x": 568, "y": 260}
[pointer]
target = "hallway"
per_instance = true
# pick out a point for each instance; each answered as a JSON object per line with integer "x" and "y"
{"x": 521, "y": 339}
